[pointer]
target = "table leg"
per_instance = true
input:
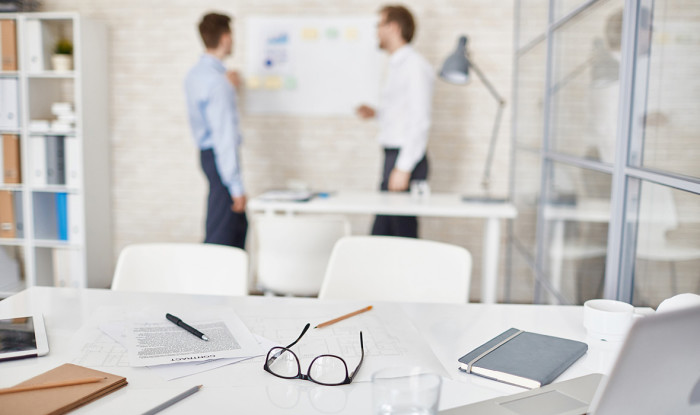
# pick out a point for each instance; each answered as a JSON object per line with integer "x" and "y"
{"x": 556, "y": 260}
{"x": 489, "y": 264}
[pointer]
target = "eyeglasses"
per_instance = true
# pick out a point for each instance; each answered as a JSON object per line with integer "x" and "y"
{"x": 326, "y": 369}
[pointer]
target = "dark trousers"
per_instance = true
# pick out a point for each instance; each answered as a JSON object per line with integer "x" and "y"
{"x": 223, "y": 226}
{"x": 406, "y": 226}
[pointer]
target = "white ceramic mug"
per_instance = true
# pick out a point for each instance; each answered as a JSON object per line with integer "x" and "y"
{"x": 608, "y": 320}
{"x": 679, "y": 302}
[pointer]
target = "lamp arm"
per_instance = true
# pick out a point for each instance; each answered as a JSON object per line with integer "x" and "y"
{"x": 486, "y": 178}
{"x": 486, "y": 82}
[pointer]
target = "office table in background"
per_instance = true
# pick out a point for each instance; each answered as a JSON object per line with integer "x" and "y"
{"x": 443, "y": 205}
{"x": 450, "y": 330}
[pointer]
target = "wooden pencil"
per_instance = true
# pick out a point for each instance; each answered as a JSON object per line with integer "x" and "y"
{"x": 335, "y": 320}
{"x": 51, "y": 385}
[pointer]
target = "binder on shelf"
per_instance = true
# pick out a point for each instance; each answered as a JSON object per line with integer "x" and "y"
{"x": 45, "y": 218}
{"x": 55, "y": 160}
{"x": 10, "y": 155}
{"x": 75, "y": 219}
{"x": 8, "y": 45}
{"x": 61, "y": 259}
{"x": 9, "y": 104}
{"x": 37, "y": 147}
{"x": 7, "y": 215}
{"x": 62, "y": 216}
{"x": 34, "y": 32}
{"x": 19, "y": 214}
{"x": 9, "y": 264}
{"x": 73, "y": 162}
{"x": 2, "y": 161}
{"x": 67, "y": 267}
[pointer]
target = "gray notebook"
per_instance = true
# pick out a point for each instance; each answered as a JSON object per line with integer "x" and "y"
{"x": 523, "y": 358}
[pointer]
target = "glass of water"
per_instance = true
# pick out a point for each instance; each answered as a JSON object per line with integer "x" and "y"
{"x": 405, "y": 391}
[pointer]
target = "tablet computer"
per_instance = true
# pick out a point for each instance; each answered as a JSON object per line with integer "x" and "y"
{"x": 23, "y": 337}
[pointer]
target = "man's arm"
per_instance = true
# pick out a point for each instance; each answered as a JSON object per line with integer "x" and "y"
{"x": 221, "y": 115}
{"x": 419, "y": 99}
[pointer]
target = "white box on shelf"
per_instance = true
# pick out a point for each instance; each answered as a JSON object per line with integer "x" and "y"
{"x": 62, "y": 127}
{"x": 39, "y": 126}
{"x": 58, "y": 108}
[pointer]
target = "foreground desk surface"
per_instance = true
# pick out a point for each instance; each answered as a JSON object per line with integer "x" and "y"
{"x": 445, "y": 205}
{"x": 451, "y": 331}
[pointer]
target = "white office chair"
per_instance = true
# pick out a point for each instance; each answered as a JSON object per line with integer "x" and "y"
{"x": 387, "y": 268}
{"x": 182, "y": 268}
{"x": 293, "y": 251}
{"x": 657, "y": 217}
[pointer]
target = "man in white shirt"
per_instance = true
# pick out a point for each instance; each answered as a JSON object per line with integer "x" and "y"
{"x": 404, "y": 115}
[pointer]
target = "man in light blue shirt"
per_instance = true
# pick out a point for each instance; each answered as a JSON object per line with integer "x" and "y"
{"x": 213, "y": 115}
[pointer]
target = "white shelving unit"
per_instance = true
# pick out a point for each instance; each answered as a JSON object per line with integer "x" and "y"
{"x": 85, "y": 258}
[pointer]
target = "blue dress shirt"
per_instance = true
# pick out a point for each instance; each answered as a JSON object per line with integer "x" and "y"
{"x": 213, "y": 113}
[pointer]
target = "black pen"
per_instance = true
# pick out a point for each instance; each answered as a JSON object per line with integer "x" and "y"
{"x": 186, "y": 326}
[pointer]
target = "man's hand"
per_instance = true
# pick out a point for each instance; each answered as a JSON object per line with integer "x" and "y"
{"x": 238, "y": 204}
{"x": 234, "y": 78}
{"x": 365, "y": 112}
{"x": 398, "y": 180}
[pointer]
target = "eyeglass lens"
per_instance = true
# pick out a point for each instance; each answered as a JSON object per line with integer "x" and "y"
{"x": 329, "y": 370}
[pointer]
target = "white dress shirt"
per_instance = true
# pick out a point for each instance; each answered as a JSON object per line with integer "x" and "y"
{"x": 405, "y": 106}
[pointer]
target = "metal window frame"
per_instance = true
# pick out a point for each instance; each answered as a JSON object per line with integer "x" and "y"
{"x": 627, "y": 172}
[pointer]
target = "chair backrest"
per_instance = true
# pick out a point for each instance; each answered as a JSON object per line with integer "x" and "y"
{"x": 182, "y": 268}
{"x": 387, "y": 268}
{"x": 293, "y": 251}
{"x": 657, "y": 216}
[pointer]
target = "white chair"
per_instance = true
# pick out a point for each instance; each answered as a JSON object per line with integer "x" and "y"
{"x": 384, "y": 268}
{"x": 293, "y": 251}
{"x": 182, "y": 268}
{"x": 657, "y": 217}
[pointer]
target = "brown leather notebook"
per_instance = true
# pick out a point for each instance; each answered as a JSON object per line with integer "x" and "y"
{"x": 55, "y": 401}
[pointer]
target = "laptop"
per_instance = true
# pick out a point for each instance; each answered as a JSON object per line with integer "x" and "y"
{"x": 656, "y": 372}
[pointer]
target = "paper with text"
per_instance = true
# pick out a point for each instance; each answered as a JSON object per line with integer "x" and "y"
{"x": 153, "y": 340}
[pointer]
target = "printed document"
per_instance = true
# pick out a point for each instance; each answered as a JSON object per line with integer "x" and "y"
{"x": 153, "y": 340}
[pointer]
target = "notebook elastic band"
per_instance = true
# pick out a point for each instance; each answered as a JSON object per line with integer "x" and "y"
{"x": 469, "y": 366}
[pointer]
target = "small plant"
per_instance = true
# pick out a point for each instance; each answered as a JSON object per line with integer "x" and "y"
{"x": 64, "y": 47}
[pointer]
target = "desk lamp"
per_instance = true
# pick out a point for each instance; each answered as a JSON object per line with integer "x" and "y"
{"x": 456, "y": 71}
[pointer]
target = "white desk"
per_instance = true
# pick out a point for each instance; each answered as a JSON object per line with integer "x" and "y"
{"x": 401, "y": 204}
{"x": 651, "y": 243}
{"x": 451, "y": 331}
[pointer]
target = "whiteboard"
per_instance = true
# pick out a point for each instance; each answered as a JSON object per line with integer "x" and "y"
{"x": 311, "y": 65}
